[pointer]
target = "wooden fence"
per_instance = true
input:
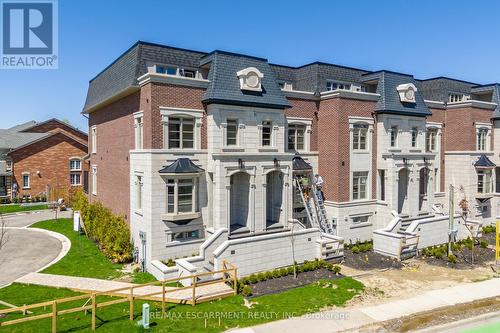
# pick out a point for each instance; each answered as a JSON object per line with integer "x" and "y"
{"x": 227, "y": 275}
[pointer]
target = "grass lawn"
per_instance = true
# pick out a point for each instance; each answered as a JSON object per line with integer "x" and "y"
{"x": 84, "y": 257}
{"x": 185, "y": 318}
{"x": 4, "y": 209}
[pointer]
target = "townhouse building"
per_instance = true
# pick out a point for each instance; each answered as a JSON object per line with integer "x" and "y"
{"x": 201, "y": 151}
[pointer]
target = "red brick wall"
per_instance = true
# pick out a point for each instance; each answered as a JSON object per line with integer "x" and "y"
{"x": 173, "y": 96}
{"x": 51, "y": 157}
{"x": 54, "y": 125}
{"x": 306, "y": 109}
{"x": 333, "y": 145}
{"x": 115, "y": 138}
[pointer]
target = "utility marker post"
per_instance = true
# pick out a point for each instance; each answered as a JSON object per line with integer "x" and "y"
{"x": 451, "y": 217}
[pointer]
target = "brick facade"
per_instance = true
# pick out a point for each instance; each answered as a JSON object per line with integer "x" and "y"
{"x": 47, "y": 162}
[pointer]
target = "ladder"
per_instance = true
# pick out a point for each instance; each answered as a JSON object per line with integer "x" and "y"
{"x": 316, "y": 214}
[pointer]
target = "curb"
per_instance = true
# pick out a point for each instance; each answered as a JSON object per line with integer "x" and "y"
{"x": 450, "y": 326}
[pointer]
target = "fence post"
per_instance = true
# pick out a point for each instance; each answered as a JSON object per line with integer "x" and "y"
{"x": 54, "y": 316}
{"x": 235, "y": 281}
{"x": 193, "y": 283}
{"x": 163, "y": 299}
{"x": 94, "y": 307}
{"x": 131, "y": 306}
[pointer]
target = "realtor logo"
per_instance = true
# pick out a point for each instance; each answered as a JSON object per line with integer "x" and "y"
{"x": 29, "y": 34}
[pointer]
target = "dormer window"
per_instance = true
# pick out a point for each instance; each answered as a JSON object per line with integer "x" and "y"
{"x": 166, "y": 70}
{"x": 332, "y": 85}
{"x": 407, "y": 92}
{"x": 183, "y": 72}
{"x": 456, "y": 98}
{"x": 250, "y": 79}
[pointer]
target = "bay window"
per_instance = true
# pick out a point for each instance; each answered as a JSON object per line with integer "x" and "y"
{"x": 484, "y": 181}
{"x": 181, "y": 196}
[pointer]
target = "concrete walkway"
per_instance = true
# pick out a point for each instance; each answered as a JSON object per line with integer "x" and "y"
{"x": 97, "y": 285}
{"x": 351, "y": 319}
{"x": 30, "y": 249}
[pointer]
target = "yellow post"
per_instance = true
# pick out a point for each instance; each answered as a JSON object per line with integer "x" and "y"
{"x": 235, "y": 281}
{"x": 497, "y": 247}
{"x": 94, "y": 307}
{"x": 163, "y": 299}
{"x": 131, "y": 306}
{"x": 193, "y": 283}
{"x": 54, "y": 316}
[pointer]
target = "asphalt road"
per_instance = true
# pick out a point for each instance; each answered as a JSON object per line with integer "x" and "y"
{"x": 26, "y": 250}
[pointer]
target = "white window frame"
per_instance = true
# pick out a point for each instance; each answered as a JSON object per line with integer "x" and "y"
{"x": 139, "y": 130}
{"x": 176, "y": 214}
{"x": 454, "y": 97}
{"x": 183, "y": 113}
{"x": 307, "y": 123}
{"x": 485, "y": 181}
{"x": 357, "y": 180}
{"x": 394, "y": 130}
{"x": 8, "y": 165}
{"x": 354, "y": 219}
{"x": 93, "y": 131}
{"x": 94, "y": 179}
{"x": 225, "y": 132}
{"x": 296, "y": 128}
{"x": 360, "y": 132}
{"x": 483, "y": 141}
{"x": 269, "y": 125}
{"x": 76, "y": 175}
{"x": 75, "y": 159}
{"x": 26, "y": 174}
{"x": 431, "y": 139}
{"x": 355, "y": 122}
{"x": 332, "y": 85}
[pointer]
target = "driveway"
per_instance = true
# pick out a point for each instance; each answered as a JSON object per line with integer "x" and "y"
{"x": 28, "y": 250}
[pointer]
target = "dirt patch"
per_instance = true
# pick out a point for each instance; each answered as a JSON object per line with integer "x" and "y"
{"x": 438, "y": 316}
{"x": 283, "y": 283}
{"x": 369, "y": 260}
{"x": 482, "y": 256}
{"x": 490, "y": 238}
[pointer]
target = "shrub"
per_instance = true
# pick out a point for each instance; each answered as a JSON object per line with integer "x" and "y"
{"x": 246, "y": 291}
{"x": 289, "y": 270}
{"x": 170, "y": 262}
{"x": 284, "y": 272}
{"x": 452, "y": 259}
{"x": 270, "y": 275}
{"x": 355, "y": 249}
{"x": 253, "y": 279}
{"x": 336, "y": 269}
{"x": 456, "y": 246}
{"x": 489, "y": 229}
{"x": 262, "y": 276}
{"x": 109, "y": 231}
{"x": 483, "y": 244}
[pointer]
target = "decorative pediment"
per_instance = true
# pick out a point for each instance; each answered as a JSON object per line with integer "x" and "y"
{"x": 407, "y": 92}
{"x": 250, "y": 79}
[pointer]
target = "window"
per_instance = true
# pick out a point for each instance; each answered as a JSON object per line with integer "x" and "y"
{"x": 359, "y": 137}
{"x": 75, "y": 165}
{"x": 483, "y": 181}
{"x": 8, "y": 165}
{"x": 414, "y": 137}
{"x": 94, "y": 180}
{"x": 187, "y": 73}
{"x": 180, "y": 133}
{"x": 267, "y": 129}
{"x": 394, "y": 136}
{"x": 138, "y": 188}
{"x": 330, "y": 85}
{"x": 359, "y": 180}
{"x": 482, "y": 134}
{"x": 75, "y": 179}
{"x": 430, "y": 140}
{"x": 26, "y": 180}
{"x": 181, "y": 196}
{"x": 185, "y": 235}
{"x": 381, "y": 174}
{"x": 360, "y": 219}
{"x": 296, "y": 137}
{"x": 455, "y": 98}
{"x": 232, "y": 132}
{"x": 93, "y": 132}
{"x": 166, "y": 70}
{"x": 138, "y": 129}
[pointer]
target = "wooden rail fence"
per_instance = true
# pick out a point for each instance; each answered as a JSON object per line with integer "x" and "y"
{"x": 227, "y": 275}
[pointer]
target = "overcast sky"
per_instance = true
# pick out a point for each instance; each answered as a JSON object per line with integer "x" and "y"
{"x": 458, "y": 39}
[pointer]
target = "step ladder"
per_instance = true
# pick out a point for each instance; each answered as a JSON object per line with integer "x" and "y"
{"x": 316, "y": 212}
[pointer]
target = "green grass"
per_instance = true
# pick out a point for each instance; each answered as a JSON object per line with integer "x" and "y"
{"x": 4, "y": 209}
{"x": 141, "y": 277}
{"x": 84, "y": 257}
{"x": 185, "y": 318}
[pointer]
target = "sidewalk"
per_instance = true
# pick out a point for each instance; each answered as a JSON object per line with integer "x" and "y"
{"x": 339, "y": 319}
{"x": 88, "y": 285}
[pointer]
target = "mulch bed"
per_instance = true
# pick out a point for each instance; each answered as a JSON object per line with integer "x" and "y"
{"x": 369, "y": 260}
{"x": 283, "y": 283}
{"x": 481, "y": 257}
{"x": 490, "y": 238}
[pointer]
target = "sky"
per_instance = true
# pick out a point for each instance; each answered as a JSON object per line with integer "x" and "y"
{"x": 459, "y": 39}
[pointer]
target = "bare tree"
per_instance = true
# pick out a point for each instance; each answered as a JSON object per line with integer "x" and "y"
{"x": 464, "y": 205}
{"x": 3, "y": 232}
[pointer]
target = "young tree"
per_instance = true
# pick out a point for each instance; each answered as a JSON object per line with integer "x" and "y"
{"x": 464, "y": 205}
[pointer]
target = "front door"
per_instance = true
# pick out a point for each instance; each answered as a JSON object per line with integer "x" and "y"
{"x": 403, "y": 190}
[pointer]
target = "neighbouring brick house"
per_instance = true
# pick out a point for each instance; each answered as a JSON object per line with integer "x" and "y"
{"x": 40, "y": 157}
{"x": 201, "y": 152}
